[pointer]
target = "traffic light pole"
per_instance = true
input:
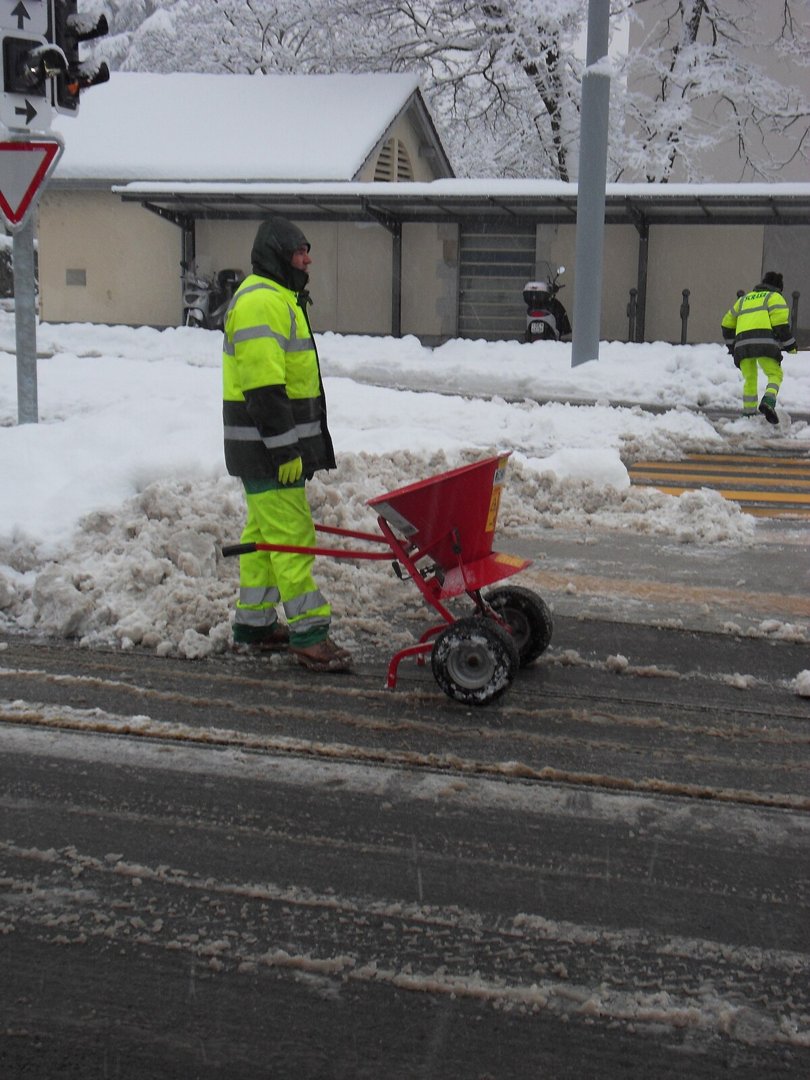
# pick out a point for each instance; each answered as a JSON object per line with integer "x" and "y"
{"x": 25, "y": 315}
{"x": 41, "y": 71}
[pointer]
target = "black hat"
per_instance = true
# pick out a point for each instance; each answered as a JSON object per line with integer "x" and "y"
{"x": 773, "y": 280}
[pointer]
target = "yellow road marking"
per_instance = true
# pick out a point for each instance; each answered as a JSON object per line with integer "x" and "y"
{"x": 752, "y": 459}
{"x": 744, "y": 496}
{"x": 731, "y": 467}
{"x": 706, "y": 479}
{"x": 743, "y": 478}
{"x": 770, "y": 511}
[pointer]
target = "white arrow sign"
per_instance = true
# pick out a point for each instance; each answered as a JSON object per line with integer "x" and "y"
{"x": 24, "y": 169}
{"x": 29, "y": 115}
{"x": 24, "y": 16}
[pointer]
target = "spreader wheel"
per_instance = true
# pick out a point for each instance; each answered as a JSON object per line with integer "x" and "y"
{"x": 474, "y": 660}
{"x": 528, "y": 617}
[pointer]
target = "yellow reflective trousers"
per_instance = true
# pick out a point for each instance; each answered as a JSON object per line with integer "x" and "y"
{"x": 280, "y": 515}
{"x": 749, "y": 369}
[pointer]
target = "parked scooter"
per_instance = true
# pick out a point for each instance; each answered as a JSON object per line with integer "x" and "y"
{"x": 546, "y": 318}
{"x": 205, "y": 300}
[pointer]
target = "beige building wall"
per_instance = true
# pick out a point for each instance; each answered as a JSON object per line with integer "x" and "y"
{"x": 363, "y": 279}
{"x": 350, "y": 276}
{"x": 430, "y": 281}
{"x": 124, "y": 265}
{"x": 104, "y": 261}
{"x": 224, "y": 245}
{"x": 619, "y": 276}
{"x": 713, "y": 262}
{"x": 352, "y": 273}
{"x": 556, "y": 244}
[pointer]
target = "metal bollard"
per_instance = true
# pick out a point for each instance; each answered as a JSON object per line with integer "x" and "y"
{"x": 794, "y": 311}
{"x": 631, "y": 315}
{"x": 684, "y": 315}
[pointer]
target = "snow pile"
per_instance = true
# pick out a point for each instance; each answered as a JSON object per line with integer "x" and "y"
{"x": 115, "y": 506}
{"x": 151, "y": 573}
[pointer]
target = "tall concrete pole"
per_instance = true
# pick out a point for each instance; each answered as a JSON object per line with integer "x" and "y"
{"x": 591, "y": 186}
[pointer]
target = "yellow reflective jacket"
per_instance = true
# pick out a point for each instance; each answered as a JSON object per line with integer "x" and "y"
{"x": 758, "y": 324}
{"x": 273, "y": 404}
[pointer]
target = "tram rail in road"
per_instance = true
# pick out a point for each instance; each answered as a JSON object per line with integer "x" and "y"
{"x": 772, "y": 485}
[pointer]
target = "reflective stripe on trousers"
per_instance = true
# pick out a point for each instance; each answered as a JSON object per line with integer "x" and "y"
{"x": 749, "y": 369}
{"x": 280, "y": 516}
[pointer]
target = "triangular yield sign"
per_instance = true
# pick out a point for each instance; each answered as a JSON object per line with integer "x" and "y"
{"x": 24, "y": 167}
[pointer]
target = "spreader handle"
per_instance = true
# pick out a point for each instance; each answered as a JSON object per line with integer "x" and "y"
{"x": 238, "y": 549}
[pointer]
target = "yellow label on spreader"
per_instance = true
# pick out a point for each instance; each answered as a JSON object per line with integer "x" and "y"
{"x": 509, "y": 560}
{"x": 494, "y": 505}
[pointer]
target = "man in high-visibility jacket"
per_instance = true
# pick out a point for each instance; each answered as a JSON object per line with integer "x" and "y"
{"x": 276, "y": 438}
{"x": 756, "y": 330}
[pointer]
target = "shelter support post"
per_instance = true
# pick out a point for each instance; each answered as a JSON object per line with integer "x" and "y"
{"x": 394, "y": 227}
{"x": 188, "y": 238}
{"x": 189, "y": 242}
{"x": 396, "y": 283}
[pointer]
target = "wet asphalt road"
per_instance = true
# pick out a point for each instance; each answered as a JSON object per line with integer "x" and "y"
{"x": 229, "y": 869}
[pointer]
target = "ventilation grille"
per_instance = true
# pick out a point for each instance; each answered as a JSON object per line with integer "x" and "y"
{"x": 393, "y": 162}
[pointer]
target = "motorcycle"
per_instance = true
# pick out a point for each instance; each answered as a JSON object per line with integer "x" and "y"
{"x": 205, "y": 300}
{"x": 546, "y": 318}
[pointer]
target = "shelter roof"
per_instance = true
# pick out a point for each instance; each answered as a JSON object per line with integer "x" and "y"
{"x": 506, "y": 201}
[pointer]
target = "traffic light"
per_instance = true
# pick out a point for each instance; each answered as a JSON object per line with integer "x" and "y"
{"x": 28, "y": 63}
{"x": 68, "y": 32}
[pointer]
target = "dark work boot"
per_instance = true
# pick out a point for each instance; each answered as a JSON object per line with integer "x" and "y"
{"x": 260, "y": 639}
{"x": 322, "y": 656}
{"x": 768, "y": 409}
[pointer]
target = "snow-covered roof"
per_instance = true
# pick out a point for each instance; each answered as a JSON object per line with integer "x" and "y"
{"x": 142, "y": 126}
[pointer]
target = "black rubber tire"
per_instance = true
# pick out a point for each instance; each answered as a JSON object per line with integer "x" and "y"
{"x": 474, "y": 660}
{"x": 528, "y": 617}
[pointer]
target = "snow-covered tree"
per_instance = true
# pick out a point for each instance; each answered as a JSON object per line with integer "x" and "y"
{"x": 503, "y": 79}
{"x": 700, "y": 74}
{"x": 233, "y": 36}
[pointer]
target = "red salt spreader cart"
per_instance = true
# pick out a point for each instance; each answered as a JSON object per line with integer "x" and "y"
{"x": 440, "y": 533}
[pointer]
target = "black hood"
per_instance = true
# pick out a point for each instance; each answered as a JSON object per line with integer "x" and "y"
{"x": 773, "y": 280}
{"x": 276, "y": 240}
